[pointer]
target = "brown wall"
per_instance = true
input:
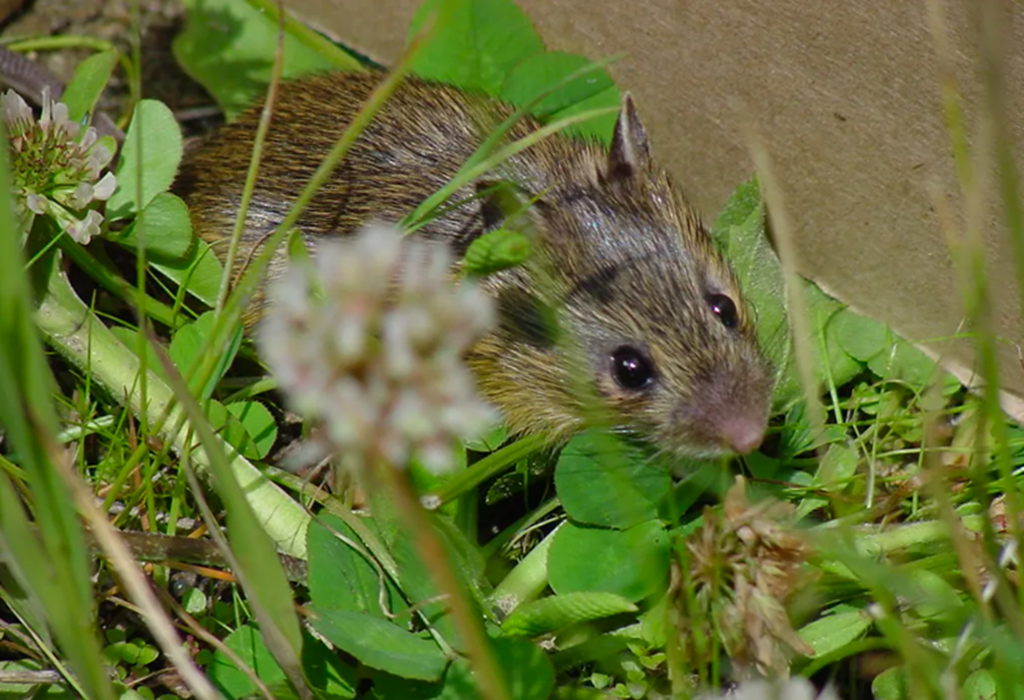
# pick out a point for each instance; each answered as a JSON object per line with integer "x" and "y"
{"x": 847, "y": 96}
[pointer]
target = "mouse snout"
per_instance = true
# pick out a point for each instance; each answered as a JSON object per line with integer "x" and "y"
{"x": 724, "y": 418}
{"x": 742, "y": 433}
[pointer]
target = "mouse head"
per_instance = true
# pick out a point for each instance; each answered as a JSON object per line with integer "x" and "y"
{"x": 629, "y": 315}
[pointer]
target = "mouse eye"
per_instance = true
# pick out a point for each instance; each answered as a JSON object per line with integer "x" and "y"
{"x": 631, "y": 368}
{"x": 725, "y": 309}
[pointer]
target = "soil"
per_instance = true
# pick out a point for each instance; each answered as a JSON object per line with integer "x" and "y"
{"x": 111, "y": 20}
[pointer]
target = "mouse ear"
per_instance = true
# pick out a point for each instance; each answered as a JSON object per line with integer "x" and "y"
{"x": 629, "y": 153}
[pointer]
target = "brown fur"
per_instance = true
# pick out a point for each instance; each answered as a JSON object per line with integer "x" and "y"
{"x": 620, "y": 255}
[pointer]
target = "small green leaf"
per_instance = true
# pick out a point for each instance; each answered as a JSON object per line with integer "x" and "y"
{"x": 247, "y": 643}
{"x": 164, "y": 225}
{"x": 603, "y": 481}
{"x": 195, "y": 601}
{"x": 830, "y": 359}
{"x": 86, "y": 86}
{"x": 135, "y": 652}
{"x": 835, "y": 630}
{"x": 528, "y": 672}
{"x": 594, "y": 90}
{"x": 891, "y": 684}
{"x": 695, "y": 480}
{"x": 981, "y": 685}
{"x": 154, "y": 134}
{"x": 474, "y": 43}
{"x": 655, "y": 626}
{"x": 490, "y": 441}
{"x": 229, "y": 427}
{"x": 740, "y": 232}
{"x": 188, "y": 342}
{"x": 418, "y": 582}
{"x": 340, "y": 575}
{"x": 598, "y": 128}
{"x": 228, "y": 46}
{"x": 298, "y": 253}
{"x": 495, "y": 250}
{"x": 537, "y": 74}
{"x": 932, "y": 597}
{"x": 744, "y": 203}
{"x": 324, "y": 669}
{"x": 555, "y": 612}
{"x": 862, "y": 337}
{"x": 838, "y": 466}
{"x": 380, "y": 644}
{"x": 200, "y": 272}
{"x": 632, "y": 563}
{"x": 260, "y": 428}
{"x": 903, "y": 361}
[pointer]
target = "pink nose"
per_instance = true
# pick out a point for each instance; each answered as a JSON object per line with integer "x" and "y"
{"x": 743, "y": 434}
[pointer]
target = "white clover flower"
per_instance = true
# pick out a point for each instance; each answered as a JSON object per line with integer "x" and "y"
{"x": 791, "y": 689}
{"x": 370, "y": 342}
{"x": 56, "y": 165}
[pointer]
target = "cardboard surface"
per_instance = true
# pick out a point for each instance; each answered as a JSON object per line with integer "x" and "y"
{"x": 846, "y": 96}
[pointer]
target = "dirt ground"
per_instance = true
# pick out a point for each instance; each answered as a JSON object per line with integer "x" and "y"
{"x": 110, "y": 20}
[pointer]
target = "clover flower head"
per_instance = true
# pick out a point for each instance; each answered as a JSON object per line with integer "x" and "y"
{"x": 57, "y": 165}
{"x": 370, "y": 341}
{"x": 796, "y": 688}
{"x": 754, "y": 555}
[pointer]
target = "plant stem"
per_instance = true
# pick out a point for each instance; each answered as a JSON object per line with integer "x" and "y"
{"x": 435, "y": 558}
{"x": 487, "y": 468}
{"x": 527, "y": 580}
{"x": 116, "y": 285}
{"x": 72, "y": 329}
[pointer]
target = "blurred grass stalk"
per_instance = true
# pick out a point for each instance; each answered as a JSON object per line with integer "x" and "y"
{"x": 45, "y": 572}
{"x": 53, "y": 581}
{"x": 74, "y": 331}
{"x": 998, "y": 605}
{"x": 992, "y": 156}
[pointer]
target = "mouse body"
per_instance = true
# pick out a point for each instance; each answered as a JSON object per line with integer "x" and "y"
{"x": 626, "y": 315}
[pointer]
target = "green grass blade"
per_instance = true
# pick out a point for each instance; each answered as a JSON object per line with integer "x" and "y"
{"x": 28, "y": 416}
{"x": 84, "y": 341}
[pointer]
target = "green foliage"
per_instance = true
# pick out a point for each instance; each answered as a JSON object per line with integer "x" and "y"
{"x": 198, "y": 272}
{"x": 164, "y": 225}
{"x": 45, "y": 578}
{"x": 490, "y": 46}
{"x": 586, "y": 89}
{"x": 556, "y": 612}
{"x": 189, "y": 342}
{"x": 494, "y": 251}
{"x": 622, "y": 581}
{"x": 381, "y": 644}
{"x": 632, "y": 563}
{"x": 259, "y": 426}
{"x": 149, "y": 159}
{"x": 325, "y": 671}
{"x": 844, "y": 342}
{"x": 228, "y": 47}
{"x": 603, "y": 481}
{"x": 343, "y": 575}
{"x": 134, "y": 652}
{"x": 86, "y": 86}
{"x": 473, "y": 44}
{"x": 836, "y": 629}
